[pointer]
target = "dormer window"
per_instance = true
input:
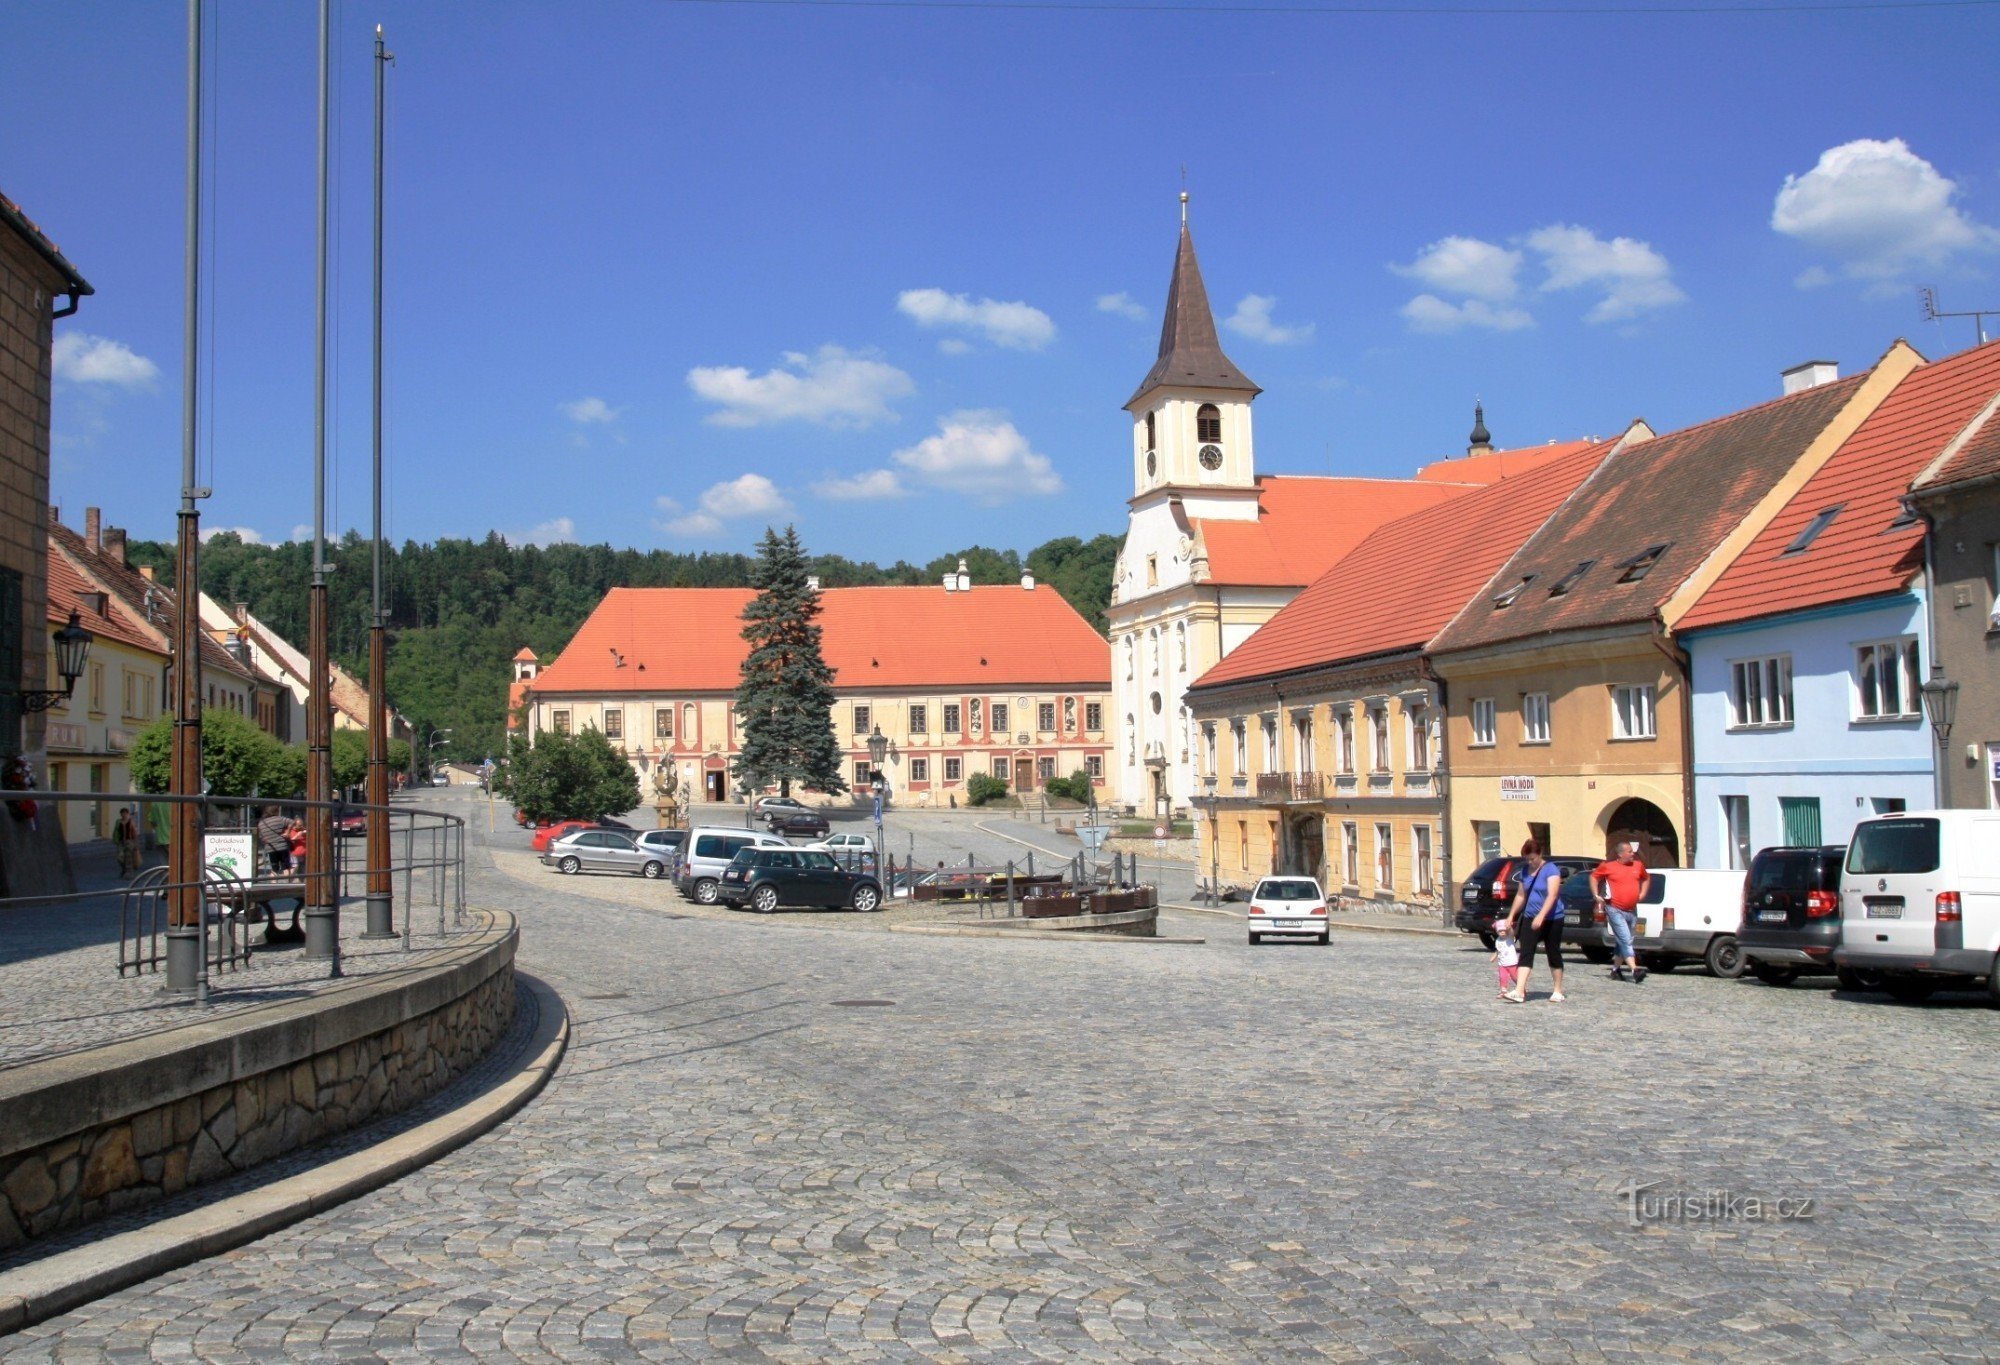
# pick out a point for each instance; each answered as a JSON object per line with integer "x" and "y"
{"x": 1641, "y": 564}
{"x": 1207, "y": 424}
{"x": 1506, "y": 599}
{"x": 1561, "y": 587}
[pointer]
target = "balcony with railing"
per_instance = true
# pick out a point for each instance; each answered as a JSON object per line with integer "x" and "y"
{"x": 1291, "y": 786}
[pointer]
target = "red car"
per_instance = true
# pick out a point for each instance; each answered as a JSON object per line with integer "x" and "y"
{"x": 548, "y": 834}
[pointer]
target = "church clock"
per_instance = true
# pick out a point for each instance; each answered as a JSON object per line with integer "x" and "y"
{"x": 1211, "y": 457}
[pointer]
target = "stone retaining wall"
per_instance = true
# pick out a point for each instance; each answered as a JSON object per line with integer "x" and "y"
{"x": 101, "y": 1131}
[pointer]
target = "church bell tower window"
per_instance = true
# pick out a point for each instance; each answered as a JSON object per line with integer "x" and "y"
{"x": 1207, "y": 424}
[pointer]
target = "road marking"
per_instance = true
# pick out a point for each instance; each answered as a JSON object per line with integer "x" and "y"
{"x": 1052, "y": 852}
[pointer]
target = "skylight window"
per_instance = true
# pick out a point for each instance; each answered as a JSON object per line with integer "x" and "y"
{"x": 1561, "y": 587}
{"x": 1819, "y": 523}
{"x": 1906, "y": 516}
{"x": 1641, "y": 564}
{"x": 1506, "y": 599}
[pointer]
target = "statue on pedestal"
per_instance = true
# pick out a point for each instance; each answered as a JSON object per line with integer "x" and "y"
{"x": 666, "y": 794}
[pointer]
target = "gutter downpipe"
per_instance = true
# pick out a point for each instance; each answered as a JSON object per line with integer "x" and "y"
{"x": 1684, "y": 666}
{"x": 1938, "y": 752}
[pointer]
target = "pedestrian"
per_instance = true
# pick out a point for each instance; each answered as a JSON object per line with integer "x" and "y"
{"x": 274, "y": 836}
{"x": 1536, "y": 919}
{"x": 1617, "y": 883}
{"x": 1506, "y": 955}
{"x": 125, "y": 833}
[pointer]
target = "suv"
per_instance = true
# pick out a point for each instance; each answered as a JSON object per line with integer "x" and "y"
{"x": 1920, "y": 902}
{"x": 1791, "y": 912}
{"x": 1485, "y": 895}
{"x": 769, "y": 879}
{"x": 708, "y": 850}
{"x": 809, "y": 823}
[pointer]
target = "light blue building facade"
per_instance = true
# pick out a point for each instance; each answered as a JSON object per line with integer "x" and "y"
{"x": 1807, "y": 722}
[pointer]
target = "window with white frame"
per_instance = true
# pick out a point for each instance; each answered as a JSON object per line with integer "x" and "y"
{"x": 1094, "y": 765}
{"x": 1344, "y": 735}
{"x": 1385, "y": 858}
{"x": 1350, "y": 852}
{"x": 920, "y": 718}
{"x": 1001, "y": 767}
{"x": 920, "y": 770}
{"x": 1887, "y": 677}
{"x": 1093, "y": 716}
{"x": 1378, "y": 722}
{"x": 1535, "y": 718}
{"x": 1270, "y": 728}
{"x": 1632, "y": 711}
{"x": 1420, "y": 847}
{"x": 999, "y": 717}
{"x": 663, "y": 722}
{"x": 1485, "y": 722}
{"x": 951, "y": 718}
{"x": 1302, "y": 741}
{"x": 1045, "y": 768}
{"x": 559, "y": 722}
{"x": 953, "y": 769}
{"x": 1240, "y": 742}
{"x": 863, "y": 719}
{"x": 1760, "y": 692}
{"x": 864, "y": 774}
{"x": 1420, "y": 738}
{"x": 614, "y": 722}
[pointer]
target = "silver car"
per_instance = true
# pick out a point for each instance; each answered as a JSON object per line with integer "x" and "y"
{"x": 604, "y": 850}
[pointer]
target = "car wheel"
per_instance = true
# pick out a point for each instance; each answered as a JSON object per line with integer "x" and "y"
{"x": 765, "y": 899}
{"x": 1773, "y": 975}
{"x": 1256, "y": 939}
{"x": 1326, "y": 938}
{"x": 1854, "y": 979}
{"x": 1993, "y": 985}
{"x": 1486, "y": 940}
{"x": 1724, "y": 957}
{"x": 867, "y": 898}
{"x": 652, "y": 872}
{"x": 1909, "y": 989}
{"x": 570, "y": 866}
{"x": 704, "y": 891}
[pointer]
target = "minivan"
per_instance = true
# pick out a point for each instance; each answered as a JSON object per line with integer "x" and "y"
{"x": 1920, "y": 901}
{"x": 1791, "y": 912}
{"x": 1686, "y": 914}
{"x": 707, "y": 852}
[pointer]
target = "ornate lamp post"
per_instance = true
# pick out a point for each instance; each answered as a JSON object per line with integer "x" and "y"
{"x": 72, "y": 649}
{"x": 878, "y": 753}
{"x": 1941, "y": 706}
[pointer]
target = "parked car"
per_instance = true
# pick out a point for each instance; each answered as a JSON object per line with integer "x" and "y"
{"x": 548, "y": 834}
{"x": 603, "y": 850}
{"x": 707, "y": 853}
{"x": 808, "y": 824}
{"x": 666, "y": 842}
{"x": 1791, "y": 912}
{"x": 607, "y": 822}
{"x": 764, "y": 807}
{"x": 840, "y": 844}
{"x": 1689, "y": 914}
{"x": 1485, "y": 895}
{"x": 770, "y": 879}
{"x": 1288, "y": 907}
{"x": 1920, "y": 902}
{"x": 349, "y": 823}
{"x": 440, "y": 779}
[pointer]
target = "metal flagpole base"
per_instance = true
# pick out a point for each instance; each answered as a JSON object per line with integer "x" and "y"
{"x": 381, "y": 916}
{"x": 184, "y": 947}
{"x": 322, "y": 933}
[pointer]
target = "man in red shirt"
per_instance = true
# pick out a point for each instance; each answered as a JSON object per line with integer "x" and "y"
{"x": 1617, "y": 883}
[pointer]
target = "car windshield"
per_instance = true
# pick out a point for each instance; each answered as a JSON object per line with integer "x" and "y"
{"x": 1286, "y": 889}
{"x": 1894, "y": 846}
{"x": 1776, "y": 871}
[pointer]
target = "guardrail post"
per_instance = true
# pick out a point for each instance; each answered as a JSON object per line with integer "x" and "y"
{"x": 1013, "y": 910}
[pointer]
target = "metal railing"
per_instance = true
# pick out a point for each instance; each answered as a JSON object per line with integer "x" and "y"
{"x": 1310, "y": 786}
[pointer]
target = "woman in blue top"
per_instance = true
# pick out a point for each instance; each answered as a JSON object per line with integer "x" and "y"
{"x": 1536, "y": 917}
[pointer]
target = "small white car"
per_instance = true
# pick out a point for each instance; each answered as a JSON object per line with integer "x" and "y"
{"x": 844, "y": 843}
{"x": 1288, "y": 907}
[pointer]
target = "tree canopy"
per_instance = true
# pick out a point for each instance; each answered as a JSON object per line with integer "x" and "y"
{"x": 784, "y": 703}
{"x": 567, "y": 777}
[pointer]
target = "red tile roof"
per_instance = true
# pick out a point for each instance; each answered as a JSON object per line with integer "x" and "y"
{"x": 1685, "y": 491}
{"x": 691, "y": 640}
{"x": 133, "y": 589}
{"x": 1409, "y": 577}
{"x": 1306, "y": 524}
{"x": 1979, "y": 456}
{"x": 1496, "y": 465}
{"x": 1856, "y": 555}
{"x": 524, "y": 655}
{"x": 68, "y": 588}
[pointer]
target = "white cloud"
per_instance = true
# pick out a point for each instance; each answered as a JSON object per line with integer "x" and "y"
{"x": 81, "y": 358}
{"x": 302, "y": 532}
{"x": 1429, "y": 313}
{"x": 1019, "y": 326}
{"x": 1879, "y": 209}
{"x": 832, "y": 387}
{"x": 554, "y": 531}
{"x": 242, "y": 533}
{"x": 746, "y": 495}
{"x": 694, "y": 526}
{"x": 1123, "y": 304}
{"x": 955, "y": 346}
{"x": 1634, "y": 277}
{"x": 585, "y": 411}
{"x": 981, "y": 455}
{"x": 872, "y": 485}
{"x": 1467, "y": 267}
{"x": 1252, "y": 319}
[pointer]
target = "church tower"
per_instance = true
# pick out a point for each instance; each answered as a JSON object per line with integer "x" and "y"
{"x": 1191, "y": 429}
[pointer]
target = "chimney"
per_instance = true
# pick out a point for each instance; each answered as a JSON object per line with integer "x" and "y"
{"x": 1027, "y": 582}
{"x": 114, "y": 545}
{"x": 55, "y": 515}
{"x": 1809, "y": 375}
{"x": 951, "y": 582}
{"x": 146, "y": 572}
{"x": 93, "y": 523}
{"x": 812, "y": 582}
{"x": 241, "y": 610}
{"x": 964, "y": 578}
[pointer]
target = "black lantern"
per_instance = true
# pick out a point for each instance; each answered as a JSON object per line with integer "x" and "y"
{"x": 878, "y": 748}
{"x": 1941, "y": 704}
{"x": 72, "y": 650}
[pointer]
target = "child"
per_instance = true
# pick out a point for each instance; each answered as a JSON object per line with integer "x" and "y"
{"x": 1506, "y": 956}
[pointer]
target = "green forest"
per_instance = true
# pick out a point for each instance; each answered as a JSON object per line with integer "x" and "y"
{"x": 458, "y": 609}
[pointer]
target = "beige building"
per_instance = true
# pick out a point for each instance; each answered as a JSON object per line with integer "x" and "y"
{"x": 958, "y": 680}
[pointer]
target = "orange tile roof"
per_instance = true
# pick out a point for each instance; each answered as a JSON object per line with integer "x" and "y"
{"x": 691, "y": 640}
{"x": 1409, "y": 577}
{"x": 134, "y": 588}
{"x": 67, "y": 588}
{"x": 1495, "y": 465}
{"x": 1856, "y": 555}
{"x": 1305, "y": 524}
{"x": 524, "y": 655}
{"x": 1979, "y": 456}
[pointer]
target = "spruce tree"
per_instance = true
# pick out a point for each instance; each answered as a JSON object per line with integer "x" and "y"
{"x": 784, "y": 704}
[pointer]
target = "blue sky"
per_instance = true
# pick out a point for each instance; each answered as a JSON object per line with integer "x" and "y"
{"x": 661, "y": 273}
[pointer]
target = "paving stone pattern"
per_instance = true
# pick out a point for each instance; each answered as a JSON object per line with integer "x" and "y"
{"x": 1059, "y": 1151}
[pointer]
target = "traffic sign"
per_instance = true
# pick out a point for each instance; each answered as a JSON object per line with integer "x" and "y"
{"x": 1093, "y": 837}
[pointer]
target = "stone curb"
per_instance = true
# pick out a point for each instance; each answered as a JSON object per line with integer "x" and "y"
{"x": 1042, "y": 935}
{"x": 1335, "y": 923}
{"x": 62, "y": 1282}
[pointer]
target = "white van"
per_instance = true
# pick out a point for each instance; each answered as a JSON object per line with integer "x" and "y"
{"x": 708, "y": 851}
{"x": 1689, "y": 913}
{"x": 1920, "y": 902}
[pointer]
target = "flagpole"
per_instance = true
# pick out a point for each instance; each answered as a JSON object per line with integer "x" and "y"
{"x": 381, "y": 909}
{"x": 322, "y": 896}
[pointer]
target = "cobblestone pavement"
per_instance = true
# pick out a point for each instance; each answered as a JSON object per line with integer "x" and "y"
{"x": 1061, "y": 1151}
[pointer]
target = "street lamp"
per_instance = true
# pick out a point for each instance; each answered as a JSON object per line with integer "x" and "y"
{"x": 878, "y": 754}
{"x": 1941, "y": 706}
{"x": 1214, "y": 841}
{"x": 72, "y": 648}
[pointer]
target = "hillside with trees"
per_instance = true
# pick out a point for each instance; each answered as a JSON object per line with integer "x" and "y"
{"x": 458, "y": 609}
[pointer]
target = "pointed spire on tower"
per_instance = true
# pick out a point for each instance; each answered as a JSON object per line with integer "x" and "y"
{"x": 1190, "y": 351}
{"x": 1482, "y": 439}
